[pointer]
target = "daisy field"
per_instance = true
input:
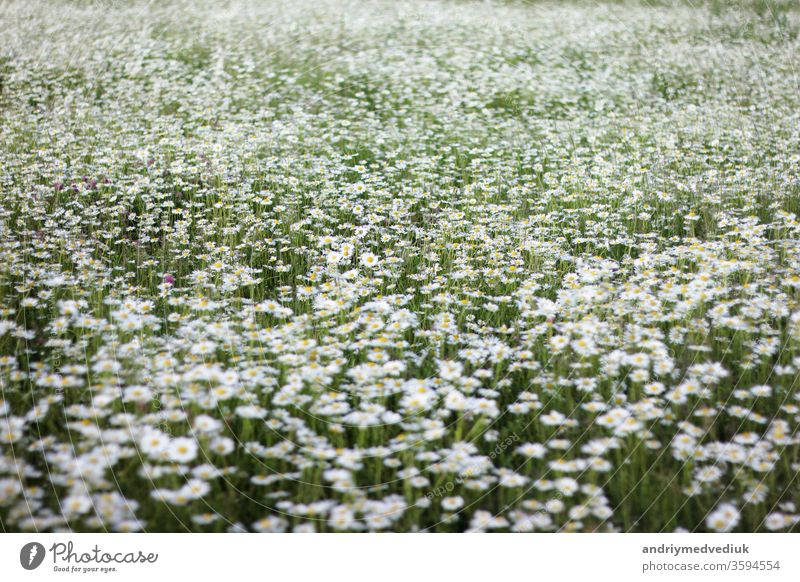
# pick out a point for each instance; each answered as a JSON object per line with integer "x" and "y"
{"x": 399, "y": 265}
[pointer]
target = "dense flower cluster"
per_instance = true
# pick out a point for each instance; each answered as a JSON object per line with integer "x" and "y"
{"x": 399, "y": 266}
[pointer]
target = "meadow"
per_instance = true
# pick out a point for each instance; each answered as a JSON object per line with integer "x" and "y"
{"x": 399, "y": 265}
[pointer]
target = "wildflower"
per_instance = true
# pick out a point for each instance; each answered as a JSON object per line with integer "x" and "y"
{"x": 452, "y": 503}
{"x": 182, "y": 449}
{"x": 450, "y": 370}
{"x": 724, "y": 518}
